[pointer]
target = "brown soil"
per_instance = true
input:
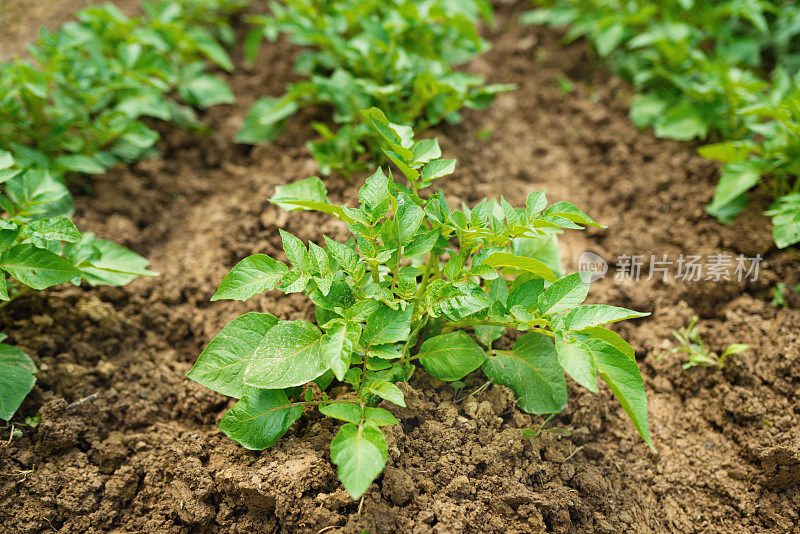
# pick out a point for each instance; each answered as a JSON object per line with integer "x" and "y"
{"x": 20, "y": 20}
{"x": 144, "y": 455}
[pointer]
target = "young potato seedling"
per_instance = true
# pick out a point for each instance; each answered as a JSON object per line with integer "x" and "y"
{"x": 405, "y": 291}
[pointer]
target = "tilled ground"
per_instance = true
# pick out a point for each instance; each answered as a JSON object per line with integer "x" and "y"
{"x": 145, "y": 456}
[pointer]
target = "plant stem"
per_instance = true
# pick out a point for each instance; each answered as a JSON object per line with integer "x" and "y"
{"x": 426, "y": 274}
{"x": 407, "y": 347}
{"x": 310, "y": 403}
{"x": 397, "y": 266}
{"x": 477, "y": 322}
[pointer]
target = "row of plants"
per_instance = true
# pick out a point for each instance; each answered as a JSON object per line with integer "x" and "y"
{"x": 397, "y": 55}
{"x": 78, "y": 107}
{"x": 419, "y": 282}
{"x": 726, "y": 71}
{"x": 40, "y": 247}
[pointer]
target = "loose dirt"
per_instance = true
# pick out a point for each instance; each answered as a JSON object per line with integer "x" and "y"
{"x": 144, "y": 455}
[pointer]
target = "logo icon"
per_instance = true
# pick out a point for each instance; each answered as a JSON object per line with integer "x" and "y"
{"x": 591, "y": 267}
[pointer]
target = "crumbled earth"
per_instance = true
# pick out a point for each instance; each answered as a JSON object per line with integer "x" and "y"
{"x": 127, "y": 444}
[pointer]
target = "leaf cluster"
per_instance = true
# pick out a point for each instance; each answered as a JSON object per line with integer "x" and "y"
{"x": 727, "y": 69}
{"x": 78, "y": 106}
{"x": 398, "y": 55}
{"x": 419, "y": 283}
{"x": 40, "y": 247}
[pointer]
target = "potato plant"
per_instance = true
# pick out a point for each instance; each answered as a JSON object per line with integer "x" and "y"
{"x": 79, "y": 106}
{"x": 706, "y": 69}
{"x": 767, "y": 155}
{"x": 398, "y": 55}
{"x": 407, "y": 289}
{"x": 40, "y": 247}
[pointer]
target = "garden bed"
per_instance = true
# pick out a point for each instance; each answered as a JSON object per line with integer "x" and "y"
{"x": 128, "y": 444}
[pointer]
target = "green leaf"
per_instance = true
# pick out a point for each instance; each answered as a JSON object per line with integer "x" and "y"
{"x": 437, "y": 169}
{"x": 786, "y": 233}
{"x": 389, "y": 351}
{"x": 646, "y": 109}
{"x": 375, "y": 189}
{"x": 346, "y": 411}
{"x": 451, "y": 356}
{"x": 533, "y": 372}
{"x": 526, "y": 294}
{"x": 360, "y": 454}
{"x": 56, "y": 229}
{"x": 9, "y": 236}
{"x": 535, "y": 203}
{"x": 609, "y": 38}
{"x": 6, "y": 159}
{"x": 399, "y": 137}
{"x": 734, "y": 348}
{"x": 16, "y": 379}
{"x": 80, "y": 163}
{"x": 385, "y": 390}
{"x": 36, "y": 267}
{"x": 578, "y": 361}
{"x": 408, "y": 218}
{"x": 206, "y": 42}
{"x": 296, "y": 252}
{"x": 426, "y": 150}
{"x": 253, "y": 275}
{"x": 544, "y": 249}
{"x": 291, "y": 355}
{"x": 785, "y": 214}
{"x": 222, "y": 363}
{"x": 260, "y": 418}
{"x": 727, "y": 152}
{"x": 506, "y": 259}
{"x": 410, "y": 173}
{"x": 386, "y": 325}
{"x": 105, "y": 263}
{"x": 38, "y": 195}
{"x": 455, "y": 301}
{"x": 612, "y": 338}
{"x": 569, "y": 211}
{"x": 497, "y": 290}
{"x": 308, "y": 190}
{"x": 7, "y": 174}
{"x": 682, "y": 123}
{"x": 421, "y": 243}
{"x": 563, "y": 295}
{"x": 623, "y": 377}
{"x": 322, "y": 381}
{"x": 206, "y": 90}
{"x": 487, "y": 335}
{"x": 333, "y": 344}
{"x": 263, "y": 122}
{"x": 736, "y": 178}
{"x": 597, "y": 315}
{"x": 380, "y": 417}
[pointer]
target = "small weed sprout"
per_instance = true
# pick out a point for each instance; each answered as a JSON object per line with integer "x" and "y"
{"x": 699, "y": 355}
